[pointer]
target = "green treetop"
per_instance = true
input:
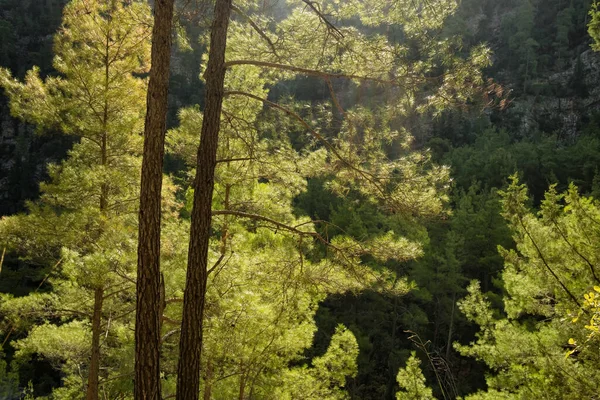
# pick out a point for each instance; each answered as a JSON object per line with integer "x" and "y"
{"x": 412, "y": 382}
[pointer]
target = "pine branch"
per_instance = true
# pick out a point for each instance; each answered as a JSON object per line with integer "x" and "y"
{"x": 307, "y": 71}
{"x": 539, "y": 251}
{"x": 366, "y": 175}
{"x": 332, "y": 28}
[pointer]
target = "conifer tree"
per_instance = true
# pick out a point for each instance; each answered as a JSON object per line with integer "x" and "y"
{"x": 544, "y": 344}
{"x": 412, "y": 382}
{"x": 263, "y": 287}
{"x": 84, "y": 221}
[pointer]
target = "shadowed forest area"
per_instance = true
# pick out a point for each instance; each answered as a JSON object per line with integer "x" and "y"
{"x": 296, "y": 199}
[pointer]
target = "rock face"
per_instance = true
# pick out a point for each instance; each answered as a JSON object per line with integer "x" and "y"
{"x": 564, "y": 113}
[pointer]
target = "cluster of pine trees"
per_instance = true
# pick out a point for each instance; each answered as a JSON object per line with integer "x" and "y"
{"x": 334, "y": 218}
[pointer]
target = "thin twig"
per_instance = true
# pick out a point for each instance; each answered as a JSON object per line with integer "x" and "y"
{"x": 216, "y": 264}
{"x": 2, "y": 259}
{"x": 539, "y": 251}
{"x": 588, "y": 262}
{"x": 258, "y": 30}
{"x": 330, "y": 26}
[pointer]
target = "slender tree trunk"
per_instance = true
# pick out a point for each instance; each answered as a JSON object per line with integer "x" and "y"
{"x": 208, "y": 381}
{"x": 242, "y": 394}
{"x": 190, "y": 345}
{"x": 389, "y": 392}
{"x": 92, "y": 386}
{"x": 148, "y": 308}
{"x": 94, "y": 372}
{"x": 449, "y": 341}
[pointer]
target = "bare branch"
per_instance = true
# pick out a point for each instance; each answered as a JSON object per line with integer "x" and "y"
{"x": 543, "y": 259}
{"x": 216, "y": 265}
{"x": 170, "y": 320}
{"x": 274, "y": 222}
{"x": 256, "y": 28}
{"x": 12, "y": 327}
{"x": 116, "y": 292}
{"x": 576, "y": 251}
{"x": 334, "y": 97}
{"x": 335, "y": 31}
{"x": 226, "y": 160}
{"x": 168, "y": 334}
{"x": 311, "y": 72}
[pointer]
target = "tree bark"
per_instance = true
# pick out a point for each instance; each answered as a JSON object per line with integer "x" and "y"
{"x": 190, "y": 345}
{"x": 147, "y": 326}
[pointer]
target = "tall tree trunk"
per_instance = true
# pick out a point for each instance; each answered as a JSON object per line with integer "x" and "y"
{"x": 148, "y": 308}
{"x": 92, "y": 386}
{"x": 190, "y": 345}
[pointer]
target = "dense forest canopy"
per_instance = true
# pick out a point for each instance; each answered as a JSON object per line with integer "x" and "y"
{"x": 337, "y": 199}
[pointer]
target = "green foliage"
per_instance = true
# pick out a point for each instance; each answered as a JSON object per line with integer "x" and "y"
{"x": 361, "y": 154}
{"x": 351, "y": 164}
{"x": 594, "y": 26}
{"x": 9, "y": 382}
{"x": 84, "y": 224}
{"x": 545, "y": 280}
{"x": 327, "y": 377}
{"x": 564, "y": 22}
{"x": 26, "y": 29}
{"x": 412, "y": 382}
{"x": 518, "y": 31}
{"x": 340, "y": 360}
{"x": 540, "y": 159}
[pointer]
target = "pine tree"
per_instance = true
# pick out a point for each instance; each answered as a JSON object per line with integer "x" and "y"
{"x": 412, "y": 382}
{"x": 518, "y": 32}
{"x": 564, "y": 23}
{"x": 85, "y": 216}
{"x": 263, "y": 286}
{"x": 543, "y": 345}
